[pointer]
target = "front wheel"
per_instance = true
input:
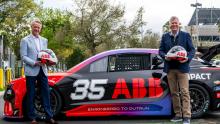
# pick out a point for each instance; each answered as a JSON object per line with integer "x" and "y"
{"x": 200, "y": 100}
{"x": 55, "y": 101}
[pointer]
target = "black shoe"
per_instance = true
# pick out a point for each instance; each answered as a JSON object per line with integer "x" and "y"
{"x": 186, "y": 120}
{"x": 176, "y": 119}
{"x": 51, "y": 121}
{"x": 34, "y": 122}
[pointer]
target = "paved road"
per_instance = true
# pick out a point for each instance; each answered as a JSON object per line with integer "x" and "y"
{"x": 212, "y": 118}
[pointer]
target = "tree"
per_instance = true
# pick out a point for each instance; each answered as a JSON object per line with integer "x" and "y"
{"x": 166, "y": 27}
{"x": 76, "y": 57}
{"x": 58, "y": 29}
{"x": 151, "y": 40}
{"x": 101, "y": 26}
{"x": 97, "y": 20}
{"x": 135, "y": 30}
{"x": 13, "y": 21}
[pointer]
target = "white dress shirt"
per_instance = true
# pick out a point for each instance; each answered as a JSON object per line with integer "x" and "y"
{"x": 37, "y": 42}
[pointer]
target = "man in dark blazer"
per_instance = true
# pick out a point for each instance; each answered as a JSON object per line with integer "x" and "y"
{"x": 177, "y": 71}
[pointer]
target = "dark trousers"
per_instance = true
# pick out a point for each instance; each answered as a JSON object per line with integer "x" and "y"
{"x": 42, "y": 81}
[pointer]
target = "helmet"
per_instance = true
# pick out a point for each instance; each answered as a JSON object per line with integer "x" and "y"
{"x": 177, "y": 53}
{"x": 47, "y": 57}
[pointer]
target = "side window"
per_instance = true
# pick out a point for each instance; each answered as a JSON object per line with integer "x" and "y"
{"x": 99, "y": 65}
{"x": 129, "y": 62}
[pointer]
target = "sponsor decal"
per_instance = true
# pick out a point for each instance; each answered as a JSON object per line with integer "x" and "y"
{"x": 154, "y": 89}
{"x": 181, "y": 54}
{"x": 95, "y": 90}
{"x": 125, "y": 108}
{"x": 217, "y": 88}
{"x": 218, "y": 95}
{"x": 206, "y": 106}
{"x": 45, "y": 56}
{"x": 217, "y": 82}
{"x": 218, "y": 106}
{"x": 199, "y": 76}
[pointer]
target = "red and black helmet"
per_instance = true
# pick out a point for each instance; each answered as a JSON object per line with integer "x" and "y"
{"x": 47, "y": 57}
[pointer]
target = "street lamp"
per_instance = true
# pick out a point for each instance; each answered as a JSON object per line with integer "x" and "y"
{"x": 197, "y": 28}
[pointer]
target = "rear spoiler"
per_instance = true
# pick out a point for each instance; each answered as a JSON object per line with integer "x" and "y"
{"x": 211, "y": 52}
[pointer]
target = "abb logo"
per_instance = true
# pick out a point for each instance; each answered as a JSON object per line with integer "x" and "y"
{"x": 181, "y": 54}
{"x": 140, "y": 88}
{"x": 45, "y": 56}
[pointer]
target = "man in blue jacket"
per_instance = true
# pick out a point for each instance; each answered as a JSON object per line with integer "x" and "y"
{"x": 177, "y": 71}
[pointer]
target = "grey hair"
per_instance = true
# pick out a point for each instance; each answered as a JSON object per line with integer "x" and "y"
{"x": 36, "y": 20}
{"x": 173, "y": 18}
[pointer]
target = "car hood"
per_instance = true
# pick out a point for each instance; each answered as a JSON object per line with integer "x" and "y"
{"x": 53, "y": 78}
{"x": 58, "y": 74}
{"x": 211, "y": 52}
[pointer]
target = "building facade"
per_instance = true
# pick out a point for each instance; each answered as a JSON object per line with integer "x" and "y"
{"x": 208, "y": 30}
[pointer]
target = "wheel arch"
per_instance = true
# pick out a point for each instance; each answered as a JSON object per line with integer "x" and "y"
{"x": 200, "y": 83}
{"x": 61, "y": 97}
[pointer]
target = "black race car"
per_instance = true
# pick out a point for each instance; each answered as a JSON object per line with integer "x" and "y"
{"x": 120, "y": 82}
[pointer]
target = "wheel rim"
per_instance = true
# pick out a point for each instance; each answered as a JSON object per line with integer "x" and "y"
{"x": 199, "y": 101}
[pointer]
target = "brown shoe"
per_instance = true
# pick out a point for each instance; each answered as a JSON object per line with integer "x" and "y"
{"x": 51, "y": 121}
{"x": 34, "y": 122}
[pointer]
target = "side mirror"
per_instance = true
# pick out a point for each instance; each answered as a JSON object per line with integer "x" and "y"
{"x": 156, "y": 75}
{"x": 157, "y": 61}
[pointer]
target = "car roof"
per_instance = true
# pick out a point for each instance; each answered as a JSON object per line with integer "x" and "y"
{"x": 112, "y": 52}
{"x": 128, "y": 50}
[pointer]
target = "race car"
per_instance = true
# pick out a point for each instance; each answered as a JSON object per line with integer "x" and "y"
{"x": 127, "y": 82}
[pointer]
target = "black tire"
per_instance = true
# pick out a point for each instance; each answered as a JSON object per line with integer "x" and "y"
{"x": 200, "y": 100}
{"x": 55, "y": 101}
{"x": 57, "y": 107}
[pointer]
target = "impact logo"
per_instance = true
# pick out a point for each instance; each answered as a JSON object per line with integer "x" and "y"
{"x": 200, "y": 76}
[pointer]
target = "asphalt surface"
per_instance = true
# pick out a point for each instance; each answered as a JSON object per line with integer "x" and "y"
{"x": 211, "y": 118}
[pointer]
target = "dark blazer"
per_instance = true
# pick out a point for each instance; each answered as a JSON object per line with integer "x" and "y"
{"x": 184, "y": 40}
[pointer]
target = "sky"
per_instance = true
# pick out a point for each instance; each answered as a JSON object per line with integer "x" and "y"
{"x": 157, "y": 12}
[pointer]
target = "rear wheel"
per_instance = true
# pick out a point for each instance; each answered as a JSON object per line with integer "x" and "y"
{"x": 200, "y": 100}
